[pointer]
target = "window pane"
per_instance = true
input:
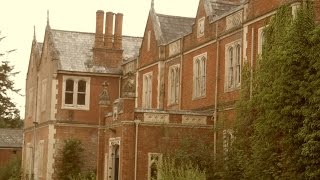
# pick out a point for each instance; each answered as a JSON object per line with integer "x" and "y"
{"x": 81, "y": 99}
{"x": 68, "y": 98}
{"x": 82, "y": 86}
{"x": 69, "y": 85}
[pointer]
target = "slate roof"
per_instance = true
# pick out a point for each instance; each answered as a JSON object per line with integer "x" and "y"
{"x": 10, "y": 138}
{"x": 216, "y": 8}
{"x": 74, "y": 49}
{"x": 174, "y": 27}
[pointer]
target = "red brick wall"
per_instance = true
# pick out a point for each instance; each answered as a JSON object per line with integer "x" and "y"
{"x": 90, "y": 116}
{"x": 7, "y": 154}
{"x": 148, "y": 57}
{"x": 89, "y": 138}
{"x": 154, "y": 69}
{"x": 187, "y": 102}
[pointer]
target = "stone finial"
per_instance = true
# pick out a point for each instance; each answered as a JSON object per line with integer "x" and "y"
{"x": 152, "y": 4}
{"x": 104, "y": 98}
{"x": 34, "y": 33}
{"x": 48, "y": 18}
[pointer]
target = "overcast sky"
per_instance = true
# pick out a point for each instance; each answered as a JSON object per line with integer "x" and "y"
{"x": 17, "y": 18}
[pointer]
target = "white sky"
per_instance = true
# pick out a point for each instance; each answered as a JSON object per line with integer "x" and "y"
{"x": 17, "y": 18}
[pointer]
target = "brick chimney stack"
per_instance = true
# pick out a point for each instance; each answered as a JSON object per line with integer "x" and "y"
{"x": 108, "y": 37}
{"x": 118, "y": 31}
{"x": 99, "y": 29}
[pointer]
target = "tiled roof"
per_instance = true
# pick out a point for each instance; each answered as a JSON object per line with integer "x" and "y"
{"x": 74, "y": 49}
{"x": 174, "y": 27}
{"x": 216, "y": 8}
{"x": 10, "y": 138}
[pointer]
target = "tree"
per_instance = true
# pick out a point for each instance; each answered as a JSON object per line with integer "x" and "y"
{"x": 70, "y": 161}
{"x": 277, "y": 128}
{"x": 9, "y": 114}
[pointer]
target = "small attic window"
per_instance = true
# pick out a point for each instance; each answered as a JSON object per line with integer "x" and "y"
{"x": 200, "y": 28}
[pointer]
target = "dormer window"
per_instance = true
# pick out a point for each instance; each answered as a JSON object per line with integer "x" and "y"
{"x": 76, "y": 92}
{"x": 200, "y": 30}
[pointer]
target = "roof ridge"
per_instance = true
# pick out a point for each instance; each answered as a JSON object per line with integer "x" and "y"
{"x": 174, "y": 16}
{"x": 72, "y": 31}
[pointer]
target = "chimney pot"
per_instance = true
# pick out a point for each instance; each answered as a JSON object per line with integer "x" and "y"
{"x": 99, "y": 28}
{"x": 108, "y": 37}
{"x": 118, "y": 31}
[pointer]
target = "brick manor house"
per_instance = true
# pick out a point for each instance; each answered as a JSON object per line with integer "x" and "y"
{"x": 131, "y": 99}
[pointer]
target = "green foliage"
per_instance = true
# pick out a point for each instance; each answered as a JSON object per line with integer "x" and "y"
{"x": 196, "y": 152}
{"x": 12, "y": 171}
{"x": 70, "y": 161}
{"x": 169, "y": 169}
{"x": 277, "y": 129}
{"x": 9, "y": 114}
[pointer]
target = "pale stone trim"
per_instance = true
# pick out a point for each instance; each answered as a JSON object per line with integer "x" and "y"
{"x": 54, "y": 100}
{"x": 156, "y": 118}
{"x": 201, "y": 27}
{"x": 51, "y": 151}
{"x": 194, "y": 120}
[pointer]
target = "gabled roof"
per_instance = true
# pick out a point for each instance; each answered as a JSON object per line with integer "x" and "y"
{"x": 169, "y": 28}
{"x": 174, "y": 27}
{"x": 10, "y": 138}
{"x": 74, "y": 50}
{"x": 216, "y": 8}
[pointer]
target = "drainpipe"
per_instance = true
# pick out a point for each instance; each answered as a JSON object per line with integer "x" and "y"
{"x": 136, "y": 122}
{"x": 216, "y": 96}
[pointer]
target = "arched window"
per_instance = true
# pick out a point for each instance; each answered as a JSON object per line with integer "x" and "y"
{"x": 147, "y": 90}
{"x": 232, "y": 66}
{"x": 199, "y": 75}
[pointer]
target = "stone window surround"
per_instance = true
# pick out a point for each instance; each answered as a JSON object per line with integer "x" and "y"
{"x": 232, "y": 53}
{"x": 76, "y": 79}
{"x": 147, "y": 90}
{"x": 228, "y": 138}
{"x": 199, "y": 77}
{"x": 151, "y": 161}
{"x": 174, "y": 90}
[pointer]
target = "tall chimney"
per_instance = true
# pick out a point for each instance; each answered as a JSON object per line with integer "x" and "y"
{"x": 109, "y": 30}
{"x": 99, "y": 29}
{"x": 118, "y": 31}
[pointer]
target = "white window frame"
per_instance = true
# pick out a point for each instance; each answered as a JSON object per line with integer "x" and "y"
{"x": 147, "y": 90}
{"x": 151, "y": 161}
{"x": 201, "y": 27}
{"x": 43, "y": 94}
{"x": 233, "y": 56}
{"x": 76, "y": 79}
{"x": 174, "y": 84}
{"x": 199, "y": 76}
